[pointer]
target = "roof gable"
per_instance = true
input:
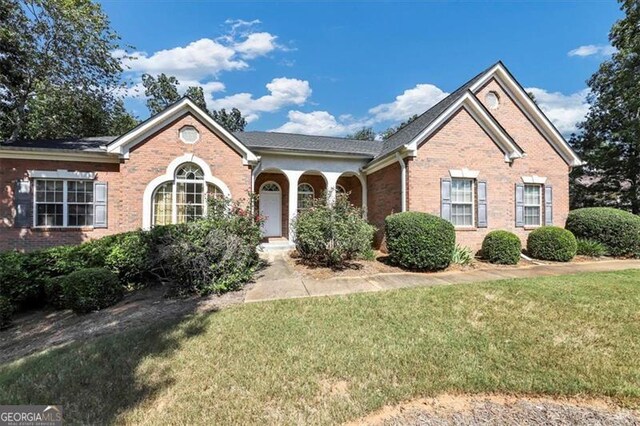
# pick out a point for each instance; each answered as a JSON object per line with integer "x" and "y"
{"x": 124, "y": 143}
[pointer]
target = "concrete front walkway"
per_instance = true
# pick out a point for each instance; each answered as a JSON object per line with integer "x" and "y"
{"x": 280, "y": 281}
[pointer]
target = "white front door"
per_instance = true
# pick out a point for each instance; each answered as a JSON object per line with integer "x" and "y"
{"x": 271, "y": 208}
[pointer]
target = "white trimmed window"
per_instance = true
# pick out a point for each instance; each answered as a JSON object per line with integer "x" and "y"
{"x": 532, "y": 205}
{"x": 305, "y": 195}
{"x": 462, "y": 202}
{"x": 185, "y": 198}
{"x": 63, "y": 203}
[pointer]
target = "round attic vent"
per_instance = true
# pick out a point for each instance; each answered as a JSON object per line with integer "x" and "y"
{"x": 189, "y": 134}
{"x": 492, "y": 100}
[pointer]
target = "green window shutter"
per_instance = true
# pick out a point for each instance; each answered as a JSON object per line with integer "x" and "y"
{"x": 100, "y": 205}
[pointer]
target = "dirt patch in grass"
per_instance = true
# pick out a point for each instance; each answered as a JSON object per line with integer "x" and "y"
{"x": 45, "y": 329}
{"x": 502, "y": 409}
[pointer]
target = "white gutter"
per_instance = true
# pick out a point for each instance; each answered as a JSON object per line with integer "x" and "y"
{"x": 403, "y": 182}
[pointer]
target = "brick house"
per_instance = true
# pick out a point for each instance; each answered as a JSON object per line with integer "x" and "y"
{"x": 485, "y": 158}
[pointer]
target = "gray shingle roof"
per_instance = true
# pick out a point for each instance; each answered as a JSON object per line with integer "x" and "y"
{"x": 88, "y": 144}
{"x": 413, "y": 129}
{"x": 322, "y": 144}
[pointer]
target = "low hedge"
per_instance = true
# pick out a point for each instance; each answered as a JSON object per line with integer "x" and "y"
{"x": 91, "y": 289}
{"x": 6, "y": 310}
{"x": 617, "y": 230}
{"x": 501, "y": 247}
{"x": 552, "y": 243}
{"x": 419, "y": 240}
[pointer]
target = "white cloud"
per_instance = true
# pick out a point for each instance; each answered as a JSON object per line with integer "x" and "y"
{"x": 282, "y": 92}
{"x": 412, "y": 101}
{"x": 593, "y": 49}
{"x": 317, "y": 123}
{"x": 256, "y": 44}
{"x": 564, "y": 111}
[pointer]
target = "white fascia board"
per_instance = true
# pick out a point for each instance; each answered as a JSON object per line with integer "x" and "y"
{"x": 57, "y": 155}
{"x": 61, "y": 174}
{"x": 124, "y": 143}
{"x": 533, "y": 113}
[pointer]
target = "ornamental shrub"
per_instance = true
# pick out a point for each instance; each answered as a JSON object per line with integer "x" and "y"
{"x": 419, "y": 240}
{"x": 501, "y": 247}
{"x": 590, "y": 248}
{"x": 6, "y": 311}
{"x": 552, "y": 243}
{"x": 332, "y": 234}
{"x": 617, "y": 230}
{"x": 91, "y": 289}
{"x": 54, "y": 291}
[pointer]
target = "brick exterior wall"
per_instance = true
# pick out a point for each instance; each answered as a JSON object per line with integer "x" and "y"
{"x": 461, "y": 143}
{"x": 383, "y": 198}
{"x": 127, "y": 182}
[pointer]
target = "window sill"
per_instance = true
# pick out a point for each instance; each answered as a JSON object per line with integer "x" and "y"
{"x": 465, "y": 228}
{"x": 531, "y": 227}
{"x": 62, "y": 228}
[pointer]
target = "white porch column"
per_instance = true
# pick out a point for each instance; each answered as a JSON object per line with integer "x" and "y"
{"x": 363, "y": 183}
{"x": 332, "y": 181}
{"x": 293, "y": 176}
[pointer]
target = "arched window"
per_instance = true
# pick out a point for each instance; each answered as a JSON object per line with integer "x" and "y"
{"x": 305, "y": 195}
{"x": 185, "y": 198}
{"x": 340, "y": 189}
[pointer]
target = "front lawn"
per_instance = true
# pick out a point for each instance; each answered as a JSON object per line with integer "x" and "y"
{"x": 328, "y": 360}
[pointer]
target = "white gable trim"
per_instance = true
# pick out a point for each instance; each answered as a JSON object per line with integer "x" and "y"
{"x": 479, "y": 114}
{"x": 531, "y": 110}
{"x": 124, "y": 143}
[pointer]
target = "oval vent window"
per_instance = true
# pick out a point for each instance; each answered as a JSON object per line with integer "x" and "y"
{"x": 492, "y": 99}
{"x": 189, "y": 134}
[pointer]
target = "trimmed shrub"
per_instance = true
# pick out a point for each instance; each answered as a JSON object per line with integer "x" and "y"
{"x": 461, "y": 255}
{"x": 54, "y": 291}
{"x": 91, "y": 289}
{"x": 590, "y": 248}
{"x": 552, "y": 243}
{"x": 22, "y": 278}
{"x": 6, "y": 311}
{"x": 501, "y": 247}
{"x": 331, "y": 235}
{"x": 419, "y": 240}
{"x": 617, "y": 230}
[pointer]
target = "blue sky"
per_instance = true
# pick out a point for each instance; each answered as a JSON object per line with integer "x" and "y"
{"x": 332, "y": 67}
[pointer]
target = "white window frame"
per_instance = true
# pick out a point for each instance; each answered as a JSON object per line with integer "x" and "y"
{"x": 312, "y": 192}
{"x": 473, "y": 203}
{"x": 65, "y": 204}
{"x": 525, "y": 205}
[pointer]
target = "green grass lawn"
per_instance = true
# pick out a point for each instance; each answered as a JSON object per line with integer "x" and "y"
{"x": 328, "y": 360}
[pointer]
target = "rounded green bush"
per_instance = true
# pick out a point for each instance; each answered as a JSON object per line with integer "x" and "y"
{"x": 91, "y": 289}
{"x": 419, "y": 240}
{"x": 6, "y": 310}
{"x": 54, "y": 291}
{"x": 502, "y": 247}
{"x": 552, "y": 243}
{"x": 617, "y": 230}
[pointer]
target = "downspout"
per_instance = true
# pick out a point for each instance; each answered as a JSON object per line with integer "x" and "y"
{"x": 403, "y": 182}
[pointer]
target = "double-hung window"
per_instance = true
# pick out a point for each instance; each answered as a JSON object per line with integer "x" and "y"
{"x": 462, "y": 206}
{"x": 532, "y": 205}
{"x": 62, "y": 203}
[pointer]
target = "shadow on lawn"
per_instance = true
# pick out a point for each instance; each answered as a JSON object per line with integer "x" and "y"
{"x": 99, "y": 379}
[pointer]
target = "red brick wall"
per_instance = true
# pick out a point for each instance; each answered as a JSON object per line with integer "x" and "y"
{"x": 461, "y": 143}
{"x": 127, "y": 182}
{"x": 352, "y": 185}
{"x": 383, "y": 198}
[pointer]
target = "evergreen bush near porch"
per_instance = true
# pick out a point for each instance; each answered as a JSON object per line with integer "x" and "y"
{"x": 419, "y": 240}
{"x": 331, "y": 234}
{"x": 617, "y": 230}
{"x": 501, "y": 247}
{"x": 552, "y": 243}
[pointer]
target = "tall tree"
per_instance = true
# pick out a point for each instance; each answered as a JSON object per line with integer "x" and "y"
{"x": 233, "y": 121}
{"x": 364, "y": 134}
{"x": 196, "y": 94}
{"x": 59, "y": 46}
{"x": 610, "y": 137}
{"x": 161, "y": 91}
{"x": 391, "y": 130}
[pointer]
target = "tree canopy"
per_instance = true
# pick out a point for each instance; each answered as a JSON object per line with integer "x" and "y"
{"x": 58, "y": 74}
{"x": 364, "y": 134}
{"x": 610, "y": 136}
